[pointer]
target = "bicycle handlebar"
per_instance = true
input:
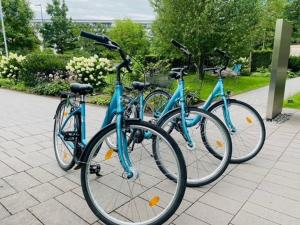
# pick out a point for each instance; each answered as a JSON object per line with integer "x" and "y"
{"x": 105, "y": 41}
{"x": 181, "y": 47}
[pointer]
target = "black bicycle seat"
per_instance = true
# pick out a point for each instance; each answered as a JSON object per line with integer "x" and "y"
{"x": 81, "y": 89}
{"x": 140, "y": 85}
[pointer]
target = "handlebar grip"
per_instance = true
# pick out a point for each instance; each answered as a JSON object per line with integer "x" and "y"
{"x": 177, "y": 44}
{"x": 222, "y": 53}
{"x": 99, "y": 38}
{"x": 181, "y": 47}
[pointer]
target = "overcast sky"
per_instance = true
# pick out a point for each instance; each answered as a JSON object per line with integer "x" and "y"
{"x": 102, "y": 9}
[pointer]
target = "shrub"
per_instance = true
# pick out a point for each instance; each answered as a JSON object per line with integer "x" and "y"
{"x": 51, "y": 88}
{"x": 90, "y": 70}
{"x": 40, "y": 67}
{"x": 294, "y": 63}
{"x": 260, "y": 58}
{"x": 11, "y": 67}
{"x": 131, "y": 36}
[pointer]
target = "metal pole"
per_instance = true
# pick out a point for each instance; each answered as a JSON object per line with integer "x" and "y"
{"x": 3, "y": 29}
{"x": 280, "y": 58}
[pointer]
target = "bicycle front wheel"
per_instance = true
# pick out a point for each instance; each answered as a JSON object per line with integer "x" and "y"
{"x": 203, "y": 167}
{"x": 250, "y": 133}
{"x": 149, "y": 198}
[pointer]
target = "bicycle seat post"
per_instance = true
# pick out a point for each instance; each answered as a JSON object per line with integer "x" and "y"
{"x": 82, "y": 98}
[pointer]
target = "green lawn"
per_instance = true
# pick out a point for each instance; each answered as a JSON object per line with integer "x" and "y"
{"x": 234, "y": 84}
{"x": 295, "y": 104}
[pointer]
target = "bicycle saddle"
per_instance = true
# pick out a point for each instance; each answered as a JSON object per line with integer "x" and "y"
{"x": 140, "y": 85}
{"x": 81, "y": 89}
{"x": 176, "y": 72}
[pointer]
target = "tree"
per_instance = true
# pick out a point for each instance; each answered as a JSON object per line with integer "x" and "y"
{"x": 131, "y": 36}
{"x": 203, "y": 25}
{"x": 292, "y": 13}
{"x": 19, "y": 32}
{"x": 82, "y": 45}
{"x": 271, "y": 10}
{"x": 59, "y": 33}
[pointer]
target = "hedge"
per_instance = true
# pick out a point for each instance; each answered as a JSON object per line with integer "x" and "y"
{"x": 260, "y": 58}
{"x": 294, "y": 63}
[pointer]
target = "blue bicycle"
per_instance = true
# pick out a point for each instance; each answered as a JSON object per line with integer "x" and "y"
{"x": 187, "y": 125}
{"x": 244, "y": 123}
{"x": 124, "y": 186}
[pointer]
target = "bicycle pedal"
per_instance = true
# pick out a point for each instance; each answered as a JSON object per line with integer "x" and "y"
{"x": 71, "y": 136}
{"x": 95, "y": 169}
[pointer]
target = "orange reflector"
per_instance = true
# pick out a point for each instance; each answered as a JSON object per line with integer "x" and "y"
{"x": 66, "y": 156}
{"x": 65, "y": 113}
{"x": 219, "y": 144}
{"x": 249, "y": 119}
{"x": 109, "y": 154}
{"x": 154, "y": 201}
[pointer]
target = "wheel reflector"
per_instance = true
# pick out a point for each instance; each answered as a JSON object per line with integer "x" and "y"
{"x": 154, "y": 201}
{"x": 219, "y": 144}
{"x": 65, "y": 113}
{"x": 109, "y": 154}
{"x": 249, "y": 119}
{"x": 66, "y": 156}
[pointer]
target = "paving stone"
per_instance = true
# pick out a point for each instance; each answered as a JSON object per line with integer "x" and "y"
{"x": 54, "y": 169}
{"x": 285, "y": 181}
{"x": 188, "y": 220}
{"x": 16, "y": 164}
{"x": 41, "y": 174}
{"x": 52, "y": 212}
{"x": 35, "y": 159}
{"x": 220, "y": 202}
{"x": 30, "y": 148}
{"x": 21, "y": 218}
{"x": 44, "y": 192}
{"x": 209, "y": 214}
{"x": 232, "y": 191}
{"x": 9, "y": 144}
{"x": 270, "y": 214}
{"x": 5, "y": 189}
{"x": 3, "y": 213}
{"x": 3, "y": 155}
{"x": 18, "y": 202}
{"x": 78, "y": 206}
{"x": 247, "y": 175}
{"x": 14, "y": 152}
{"x": 240, "y": 182}
{"x": 21, "y": 181}
{"x": 245, "y": 218}
{"x": 74, "y": 176}
{"x": 5, "y": 170}
{"x": 288, "y": 167}
{"x": 277, "y": 203}
{"x": 64, "y": 184}
{"x": 281, "y": 190}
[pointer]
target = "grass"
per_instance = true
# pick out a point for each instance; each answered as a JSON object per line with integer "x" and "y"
{"x": 293, "y": 102}
{"x": 234, "y": 84}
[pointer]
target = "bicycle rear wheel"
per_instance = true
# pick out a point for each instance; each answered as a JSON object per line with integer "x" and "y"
{"x": 250, "y": 134}
{"x": 113, "y": 197}
{"x": 155, "y": 103}
{"x": 64, "y": 156}
{"x": 203, "y": 167}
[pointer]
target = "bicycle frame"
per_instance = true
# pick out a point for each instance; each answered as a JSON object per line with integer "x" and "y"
{"x": 178, "y": 96}
{"x": 219, "y": 91}
{"x": 81, "y": 111}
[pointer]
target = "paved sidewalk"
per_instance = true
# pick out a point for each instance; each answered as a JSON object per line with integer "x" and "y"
{"x": 34, "y": 190}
